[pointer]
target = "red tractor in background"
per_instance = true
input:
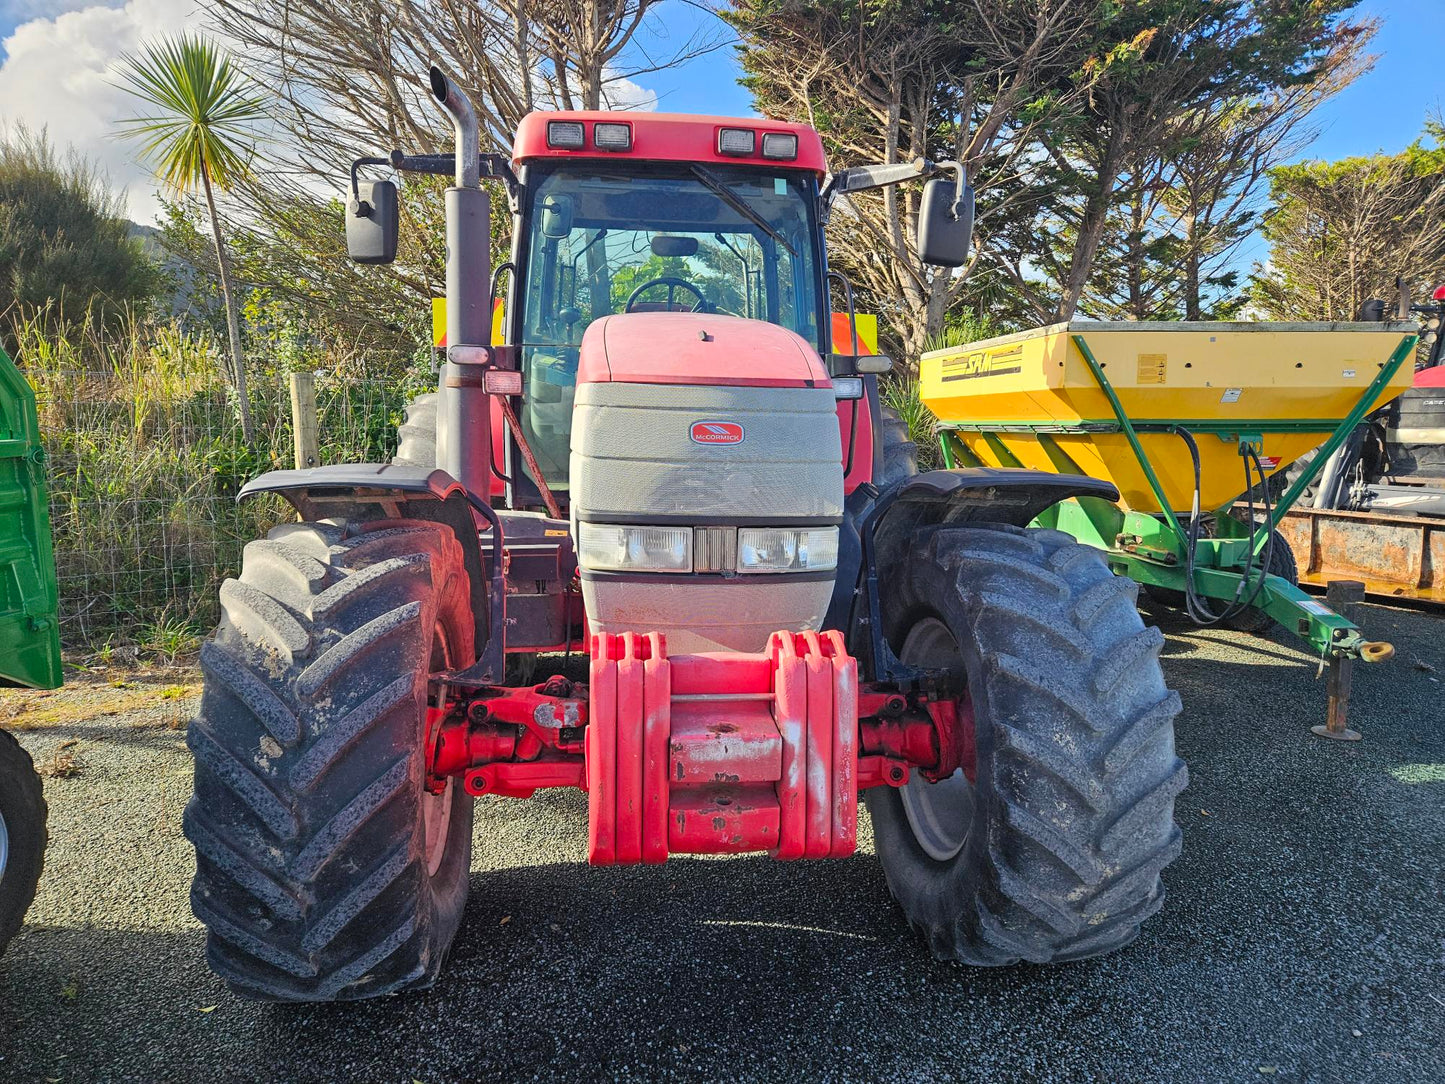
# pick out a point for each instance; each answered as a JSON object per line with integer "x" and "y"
{"x": 668, "y": 462}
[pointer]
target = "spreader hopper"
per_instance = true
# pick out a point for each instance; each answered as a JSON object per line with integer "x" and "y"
{"x": 1051, "y": 398}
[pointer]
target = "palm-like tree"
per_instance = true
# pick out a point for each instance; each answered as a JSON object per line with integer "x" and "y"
{"x": 198, "y": 136}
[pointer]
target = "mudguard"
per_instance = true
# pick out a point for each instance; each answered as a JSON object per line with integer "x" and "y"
{"x": 965, "y": 495}
{"x": 365, "y": 492}
{"x": 970, "y": 495}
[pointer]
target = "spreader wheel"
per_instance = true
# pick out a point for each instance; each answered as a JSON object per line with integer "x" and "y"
{"x": 324, "y": 868}
{"x": 22, "y": 835}
{"x": 1282, "y": 563}
{"x": 1054, "y": 852}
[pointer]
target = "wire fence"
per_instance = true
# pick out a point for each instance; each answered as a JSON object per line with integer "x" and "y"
{"x": 144, "y": 467}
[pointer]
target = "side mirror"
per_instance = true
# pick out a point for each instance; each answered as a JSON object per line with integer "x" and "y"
{"x": 556, "y": 217}
{"x": 943, "y": 236}
{"x": 1372, "y": 310}
{"x": 373, "y": 220}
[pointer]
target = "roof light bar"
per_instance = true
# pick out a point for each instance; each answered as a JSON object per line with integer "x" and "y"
{"x": 609, "y": 136}
{"x": 1439, "y": 294}
{"x": 566, "y": 135}
{"x": 781, "y": 146}
{"x": 738, "y": 142}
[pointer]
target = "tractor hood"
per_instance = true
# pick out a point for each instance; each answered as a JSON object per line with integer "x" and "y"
{"x": 719, "y": 433}
{"x": 697, "y": 348}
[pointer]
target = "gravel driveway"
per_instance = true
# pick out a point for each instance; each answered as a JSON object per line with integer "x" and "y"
{"x": 1303, "y": 940}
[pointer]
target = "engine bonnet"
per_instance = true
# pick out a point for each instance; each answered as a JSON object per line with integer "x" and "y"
{"x": 718, "y": 424}
{"x": 697, "y": 348}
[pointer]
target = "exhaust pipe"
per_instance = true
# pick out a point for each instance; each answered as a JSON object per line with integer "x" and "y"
{"x": 464, "y": 415}
{"x": 464, "y": 122}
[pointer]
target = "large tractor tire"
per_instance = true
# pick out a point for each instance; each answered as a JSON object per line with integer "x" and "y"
{"x": 22, "y": 835}
{"x": 1054, "y": 852}
{"x": 324, "y": 870}
{"x": 900, "y": 453}
{"x": 417, "y": 433}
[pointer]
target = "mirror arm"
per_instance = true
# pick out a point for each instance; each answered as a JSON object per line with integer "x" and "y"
{"x": 356, "y": 182}
{"x": 493, "y": 166}
{"x": 960, "y": 183}
{"x": 862, "y": 178}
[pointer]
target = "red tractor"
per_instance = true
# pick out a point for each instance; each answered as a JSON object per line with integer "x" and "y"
{"x": 668, "y": 465}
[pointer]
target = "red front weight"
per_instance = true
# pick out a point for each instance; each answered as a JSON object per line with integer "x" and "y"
{"x": 722, "y": 753}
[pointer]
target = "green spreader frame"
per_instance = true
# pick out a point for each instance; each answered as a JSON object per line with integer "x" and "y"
{"x": 1150, "y": 548}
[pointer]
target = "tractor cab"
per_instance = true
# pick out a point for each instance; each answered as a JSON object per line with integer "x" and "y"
{"x": 654, "y": 214}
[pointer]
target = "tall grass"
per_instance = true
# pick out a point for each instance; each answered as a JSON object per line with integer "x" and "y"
{"x": 146, "y": 457}
{"x": 901, "y": 393}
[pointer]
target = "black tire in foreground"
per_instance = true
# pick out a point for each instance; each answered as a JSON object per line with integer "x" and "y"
{"x": 324, "y": 871}
{"x": 417, "y": 433}
{"x": 1054, "y": 853}
{"x": 22, "y": 835}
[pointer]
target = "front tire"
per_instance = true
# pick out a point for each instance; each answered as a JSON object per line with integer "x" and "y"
{"x": 1054, "y": 852}
{"x": 22, "y": 835}
{"x": 324, "y": 870}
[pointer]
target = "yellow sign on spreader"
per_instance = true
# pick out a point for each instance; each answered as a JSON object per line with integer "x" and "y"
{"x": 999, "y": 361}
{"x": 1152, "y": 368}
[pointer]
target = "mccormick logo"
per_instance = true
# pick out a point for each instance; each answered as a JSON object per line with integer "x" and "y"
{"x": 717, "y": 433}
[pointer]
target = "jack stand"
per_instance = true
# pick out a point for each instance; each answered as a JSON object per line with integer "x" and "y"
{"x": 1342, "y": 596}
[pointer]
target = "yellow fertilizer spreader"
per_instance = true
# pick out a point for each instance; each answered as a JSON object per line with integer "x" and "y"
{"x": 1188, "y": 420}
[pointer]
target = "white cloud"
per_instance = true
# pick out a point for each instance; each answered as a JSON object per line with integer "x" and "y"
{"x": 621, "y": 93}
{"x": 58, "y": 71}
{"x": 59, "y": 74}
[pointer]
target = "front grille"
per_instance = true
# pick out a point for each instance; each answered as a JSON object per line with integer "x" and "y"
{"x": 714, "y": 549}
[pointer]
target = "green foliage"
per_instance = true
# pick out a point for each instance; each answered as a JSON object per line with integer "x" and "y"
{"x": 902, "y": 394}
{"x": 146, "y": 455}
{"x": 203, "y": 112}
{"x": 64, "y": 246}
{"x": 1340, "y": 232}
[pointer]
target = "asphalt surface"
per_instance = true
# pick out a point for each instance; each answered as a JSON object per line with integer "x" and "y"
{"x": 1303, "y": 938}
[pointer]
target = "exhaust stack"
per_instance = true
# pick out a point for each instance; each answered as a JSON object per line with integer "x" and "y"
{"x": 464, "y": 416}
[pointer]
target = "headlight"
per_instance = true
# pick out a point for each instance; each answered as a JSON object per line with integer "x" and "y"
{"x": 607, "y": 547}
{"x": 779, "y": 549}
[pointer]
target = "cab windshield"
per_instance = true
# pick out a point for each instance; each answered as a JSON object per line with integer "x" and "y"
{"x": 685, "y": 239}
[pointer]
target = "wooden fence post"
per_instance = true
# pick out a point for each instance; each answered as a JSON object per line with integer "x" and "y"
{"x": 305, "y": 426}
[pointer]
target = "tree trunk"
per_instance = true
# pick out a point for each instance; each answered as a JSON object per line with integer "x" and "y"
{"x": 233, "y": 325}
{"x": 1091, "y": 226}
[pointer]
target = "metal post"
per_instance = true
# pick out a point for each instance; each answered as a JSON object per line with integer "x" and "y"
{"x": 305, "y": 428}
{"x": 1342, "y": 596}
{"x": 464, "y": 417}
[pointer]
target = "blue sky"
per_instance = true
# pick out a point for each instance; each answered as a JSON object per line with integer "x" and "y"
{"x": 66, "y": 47}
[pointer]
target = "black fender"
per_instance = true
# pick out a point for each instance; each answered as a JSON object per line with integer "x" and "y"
{"x": 366, "y": 492}
{"x": 966, "y": 495}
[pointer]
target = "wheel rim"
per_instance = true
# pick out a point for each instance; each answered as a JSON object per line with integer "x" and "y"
{"x": 940, "y": 814}
{"x": 436, "y": 809}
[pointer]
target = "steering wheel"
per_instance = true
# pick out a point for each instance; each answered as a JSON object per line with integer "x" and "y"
{"x": 673, "y": 284}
